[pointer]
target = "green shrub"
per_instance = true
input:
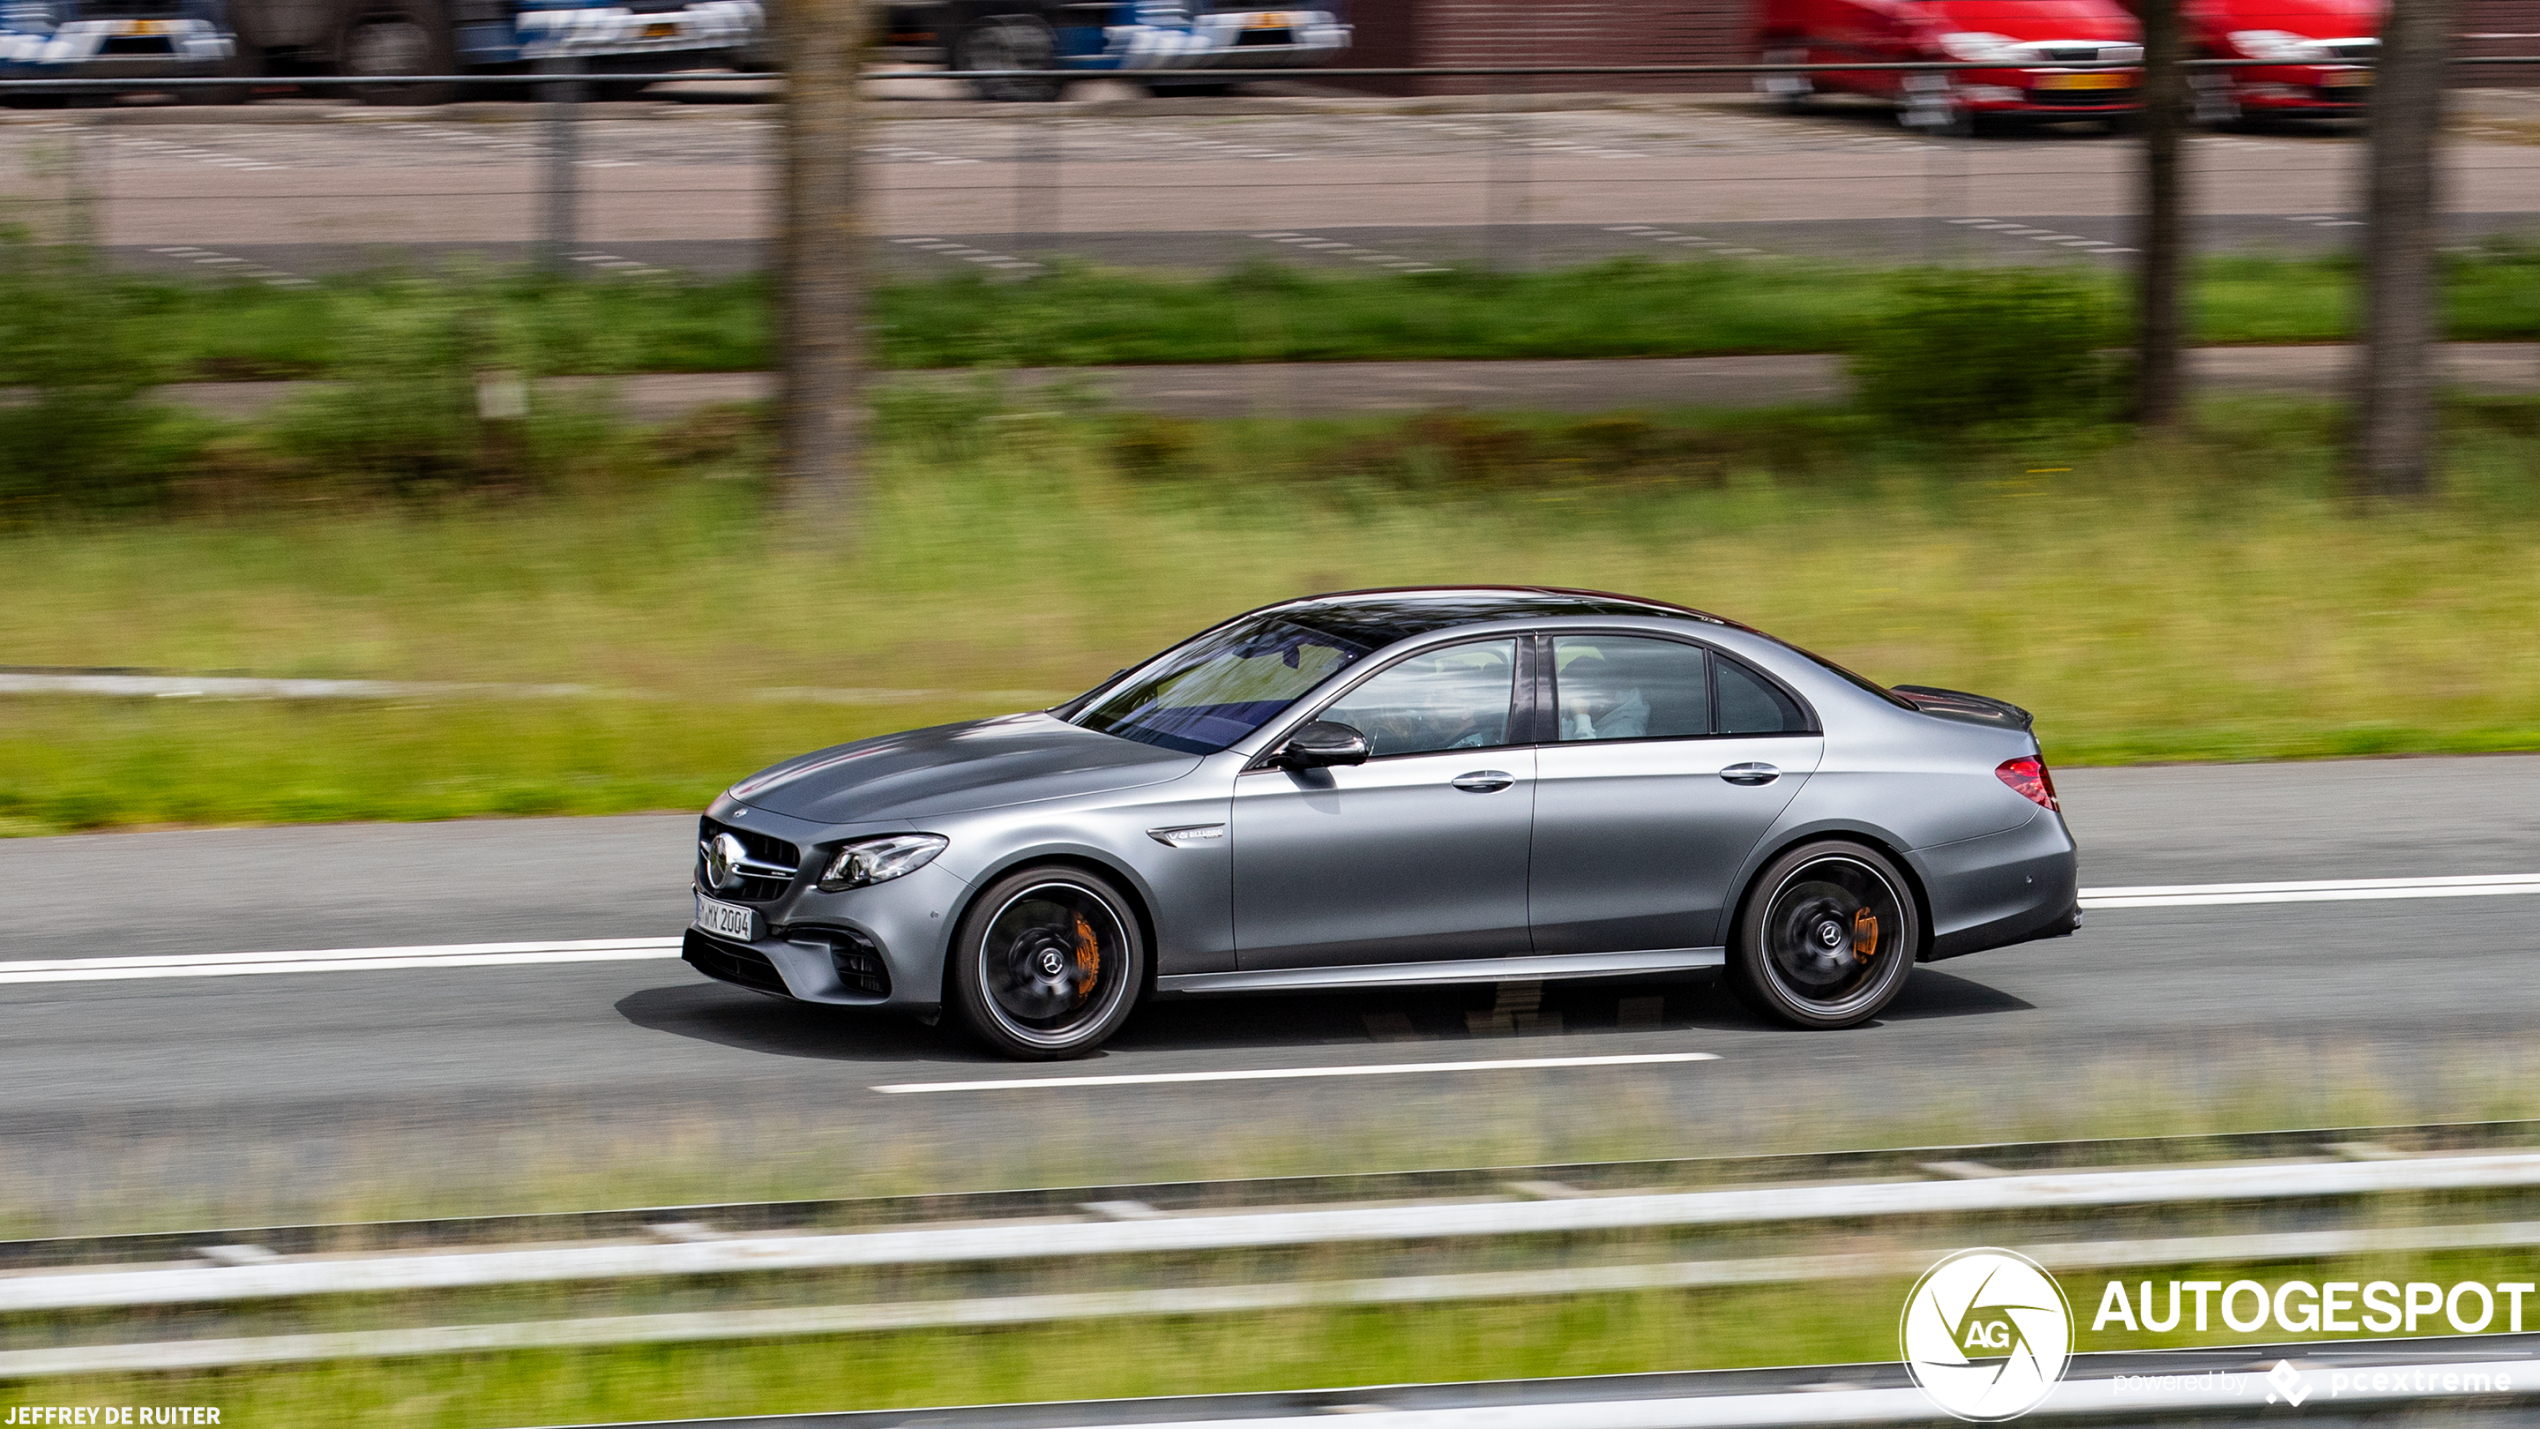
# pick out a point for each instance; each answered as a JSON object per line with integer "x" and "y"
{"x": 1975, "y": 348}
{"x": 76, "y": 427}
{"x": 431, "y": 394}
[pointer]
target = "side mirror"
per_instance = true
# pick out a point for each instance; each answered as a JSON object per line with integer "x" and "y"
{"x": 1321, "y": 743}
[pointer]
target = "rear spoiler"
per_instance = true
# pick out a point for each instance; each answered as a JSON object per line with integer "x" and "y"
{"x": 1959, "y": 705}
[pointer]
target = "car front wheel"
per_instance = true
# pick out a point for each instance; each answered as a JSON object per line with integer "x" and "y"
{"x": 1827, "y": 936}
{"x": 1047, "y": 963}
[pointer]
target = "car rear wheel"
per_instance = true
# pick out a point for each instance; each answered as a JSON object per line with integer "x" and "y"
{"x": 1791, "y": 92}
{"x": 1008, "y": 42}
{"x": 389, "y": 41}
{"x": 1826, "y": 938}
{"x": 1047, "y": 964}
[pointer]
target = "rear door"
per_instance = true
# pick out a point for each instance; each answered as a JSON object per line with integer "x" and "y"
{"x": 1668, "y": 763}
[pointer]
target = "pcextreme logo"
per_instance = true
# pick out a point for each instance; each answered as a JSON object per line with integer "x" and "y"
{"x": 1986, "y": 1334}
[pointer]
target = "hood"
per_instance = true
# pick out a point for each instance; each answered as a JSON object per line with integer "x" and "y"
{"x": 2037, "y": 19}
{"x": 1959, "y": 705}
{"x": 2310, "y": 19}
{"x": 954, "y": 768}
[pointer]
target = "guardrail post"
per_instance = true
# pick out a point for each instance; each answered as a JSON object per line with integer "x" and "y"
{"x": 561, "y": 198}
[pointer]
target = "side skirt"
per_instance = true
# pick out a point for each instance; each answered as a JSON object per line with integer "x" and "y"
{"x": 1525, "y": 969}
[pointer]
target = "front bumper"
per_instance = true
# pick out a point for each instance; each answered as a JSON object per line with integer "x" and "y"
{"x": 600, "y": 31}
{"x": 2046, "y": 93}
{"x": 1226, "y": 41}
{"x": 116, "y": 49}
{"x": 2320, "y": 90}
{"x": 881, "y": 946}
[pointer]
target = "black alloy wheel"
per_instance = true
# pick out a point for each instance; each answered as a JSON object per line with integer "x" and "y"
{"x": 1827, "y": 937}
{"x": 1790, "y": 93}
{"x": 1047, "y": 964}
{"x": 1008, "y": 42}
{"x": 390, "y": 40}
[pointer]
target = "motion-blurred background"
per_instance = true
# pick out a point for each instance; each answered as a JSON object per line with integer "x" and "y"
{"x": 442, "y": 447}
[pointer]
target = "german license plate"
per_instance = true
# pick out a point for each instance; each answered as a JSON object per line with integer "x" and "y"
{"x": 2084, "y": 81}
{"x": 2347, "y": 79}
{"x": 727, "y": 920}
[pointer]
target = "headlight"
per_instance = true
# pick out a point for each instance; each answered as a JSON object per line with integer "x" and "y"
{"x": 1977, "y": 46}
{"x": 879, "y": 860}
{"x": 2278, "y": 47}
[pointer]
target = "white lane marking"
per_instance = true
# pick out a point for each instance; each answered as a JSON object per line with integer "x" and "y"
{"x": 2334, "y": 890}
{"x": 1139, "y": 1079}
{"x": 337, "y": 960}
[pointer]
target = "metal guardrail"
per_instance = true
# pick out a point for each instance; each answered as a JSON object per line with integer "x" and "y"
{"x": 2205, "y": 1386}
{"x": 1885, "y": 1202}
{"x": 1594, "y": 1177}
{"x": 1537, "y": 1226}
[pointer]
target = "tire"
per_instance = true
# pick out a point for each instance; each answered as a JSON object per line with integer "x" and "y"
{"x": 1789, "y": 93}
{"x": 997, "y": 42}
{"x": 384, "y": 39}
{"x": 1047, "y": 963}
{"x": 1826, "y": 936}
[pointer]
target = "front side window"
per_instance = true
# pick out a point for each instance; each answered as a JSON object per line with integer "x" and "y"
{"x": 1623, "y": 687}
{"x": 1456, "y": 698}
{"x": 1221, "y": 686}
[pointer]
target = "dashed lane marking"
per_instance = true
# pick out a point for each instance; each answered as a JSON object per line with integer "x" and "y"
{"x": 1338, "y": 249}
{"x": 241, "y": 267}
{"x": 1272, "y": 1074}
{"x": 985, "y": 258}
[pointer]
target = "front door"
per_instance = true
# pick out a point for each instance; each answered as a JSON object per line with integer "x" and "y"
{"x": 1417, "y": 855}
{"x": 1670, "y": 765}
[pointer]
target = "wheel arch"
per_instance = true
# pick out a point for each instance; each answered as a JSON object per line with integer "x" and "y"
{"x": 1882, "y": 844}
{"x": 1084, "y": 860}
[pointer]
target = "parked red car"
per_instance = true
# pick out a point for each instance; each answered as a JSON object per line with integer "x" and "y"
{"x": 2035, "y": 40}
{"x": 2317, "y": 42}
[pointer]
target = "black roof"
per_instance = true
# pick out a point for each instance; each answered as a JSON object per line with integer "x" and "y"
{"x": 1376, "y": 618}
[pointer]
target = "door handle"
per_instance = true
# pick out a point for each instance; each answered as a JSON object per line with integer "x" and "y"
{"x": 1750, "y": 774}
{"x": 1483, "y": 781}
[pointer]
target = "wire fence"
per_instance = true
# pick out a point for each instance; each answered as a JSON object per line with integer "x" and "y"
{"x": 1510, "y": 178}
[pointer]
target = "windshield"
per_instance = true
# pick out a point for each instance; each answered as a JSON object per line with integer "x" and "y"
{"x": 1224, "y": 685}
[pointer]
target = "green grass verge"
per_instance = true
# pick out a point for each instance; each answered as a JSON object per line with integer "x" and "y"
{"x": 2202, "y": 599}
{"x": 1080, "y": 317}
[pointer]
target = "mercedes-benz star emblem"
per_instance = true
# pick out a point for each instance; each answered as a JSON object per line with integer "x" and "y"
{"x": 723, "y": 861}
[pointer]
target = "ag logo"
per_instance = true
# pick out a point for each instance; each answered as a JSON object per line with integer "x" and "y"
{"x": 1987, "y": 1334}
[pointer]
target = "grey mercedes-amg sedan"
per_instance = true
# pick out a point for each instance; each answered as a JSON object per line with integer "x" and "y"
{"x": 1492, "y": 784}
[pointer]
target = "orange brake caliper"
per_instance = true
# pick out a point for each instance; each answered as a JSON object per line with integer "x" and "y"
{"x": 1088, "y": 958}
{"x": 1865, "y": 935}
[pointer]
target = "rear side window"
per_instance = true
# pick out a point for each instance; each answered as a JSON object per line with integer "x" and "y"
{"x": 1622, "y": 687}
{"x": 1750, "y": 704}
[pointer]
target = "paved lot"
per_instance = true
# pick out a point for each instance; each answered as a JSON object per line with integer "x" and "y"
{"x": 322, "y": 1081}
{"x": 691, "y": 185}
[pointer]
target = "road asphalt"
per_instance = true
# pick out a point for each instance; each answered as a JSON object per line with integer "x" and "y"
{"x": 639, "y": 1081}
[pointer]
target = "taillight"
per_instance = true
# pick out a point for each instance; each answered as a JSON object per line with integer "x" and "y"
{"x": 2028, "y": 777}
